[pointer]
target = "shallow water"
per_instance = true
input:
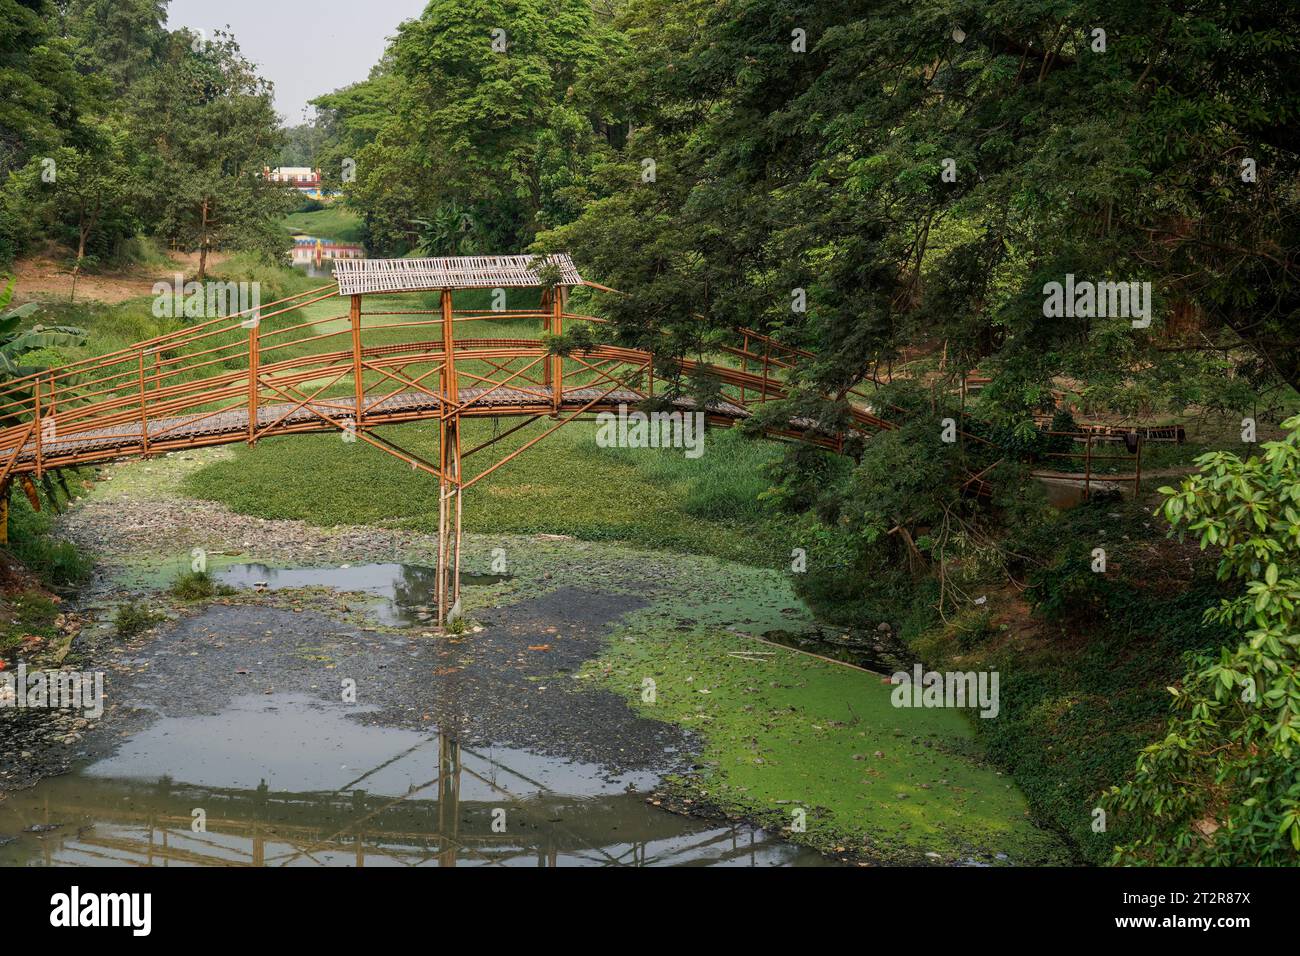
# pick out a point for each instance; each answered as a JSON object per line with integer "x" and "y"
{"x": 287, "y": 780}
{"x": 402, "y": 592}
{"x": 874, "y": 657}
{"x": 304, "y": 254}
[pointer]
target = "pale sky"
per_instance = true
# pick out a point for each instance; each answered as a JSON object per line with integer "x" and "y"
{"x": 305, "y": 49}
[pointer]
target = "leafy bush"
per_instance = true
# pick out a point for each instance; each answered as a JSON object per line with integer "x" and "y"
{"x": 1223, "y": 785}
{"x": 974, "y": 629}
{"x": 56, "y": 562}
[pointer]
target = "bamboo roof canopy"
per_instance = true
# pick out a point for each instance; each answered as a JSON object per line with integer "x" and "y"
{"x": 360, "y": 276}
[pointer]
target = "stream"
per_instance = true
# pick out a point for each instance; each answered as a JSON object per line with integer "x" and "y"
{"x": 222, "y": 744}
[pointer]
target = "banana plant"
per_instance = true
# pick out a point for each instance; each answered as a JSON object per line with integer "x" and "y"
{"x": 450, "y": 232}
{"x": 14, "y": 344}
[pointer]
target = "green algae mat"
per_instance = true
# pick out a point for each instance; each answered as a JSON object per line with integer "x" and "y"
{"x": 808, "y": 745}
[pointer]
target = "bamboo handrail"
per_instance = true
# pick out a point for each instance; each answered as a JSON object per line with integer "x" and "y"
{"x": 197, "y": 377}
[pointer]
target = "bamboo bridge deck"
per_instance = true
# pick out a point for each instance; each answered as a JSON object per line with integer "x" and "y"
{"x": 179, "y": 432}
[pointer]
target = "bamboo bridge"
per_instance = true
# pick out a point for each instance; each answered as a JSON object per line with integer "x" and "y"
{"x": 273, "y": 371}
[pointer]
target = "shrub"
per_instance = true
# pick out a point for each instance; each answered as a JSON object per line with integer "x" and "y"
{"x": 56, "y": 562}
{"x": 133, "y": 617}
{"x": 1222, "y": 786}
{"x": 197, "y": 586}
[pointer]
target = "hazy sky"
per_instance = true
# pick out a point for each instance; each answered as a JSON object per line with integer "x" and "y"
{"x": 305, "y": 49}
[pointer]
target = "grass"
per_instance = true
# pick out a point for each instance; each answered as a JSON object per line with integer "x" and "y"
{"x": 133, "y": 617}
{"x": 197, "y": 586}
{"x": 24, "y": 615}
{"x": 565, "y": 484}
{"x": 114, "y": 327}
{"x": 57, "y": 563}
{"x": 142, "y": 252}
{"x": 332, "y": 222}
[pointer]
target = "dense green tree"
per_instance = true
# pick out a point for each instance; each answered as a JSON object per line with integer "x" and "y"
{"x": 118, "y": 40}
{"x": 84, "y": 196}
{"x": 301, "y": 145}
{"x": 476, "y": 109}
{"x": 212, "y": 130}
{"x": 42, "y": 101}
{"x": 824, "y": 170}
{"x": 43, "y": 94}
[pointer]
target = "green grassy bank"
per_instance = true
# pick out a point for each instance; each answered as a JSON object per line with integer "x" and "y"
{"x": 332, "y": 222}
{"x": 565, "y": 484}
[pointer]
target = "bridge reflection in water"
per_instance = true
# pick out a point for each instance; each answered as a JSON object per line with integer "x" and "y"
{"x": 447, "y": 820}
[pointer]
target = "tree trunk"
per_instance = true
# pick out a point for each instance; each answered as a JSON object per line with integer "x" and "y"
{"x": 76, "y": 267}
{"x": 82, "y": 230}
{"x": 203, "y": 244}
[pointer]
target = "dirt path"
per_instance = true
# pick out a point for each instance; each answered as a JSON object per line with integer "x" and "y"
{"x": 42, "y": 278}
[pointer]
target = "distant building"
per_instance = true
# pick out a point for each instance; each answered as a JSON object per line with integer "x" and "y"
{"x": 302, "y": 178}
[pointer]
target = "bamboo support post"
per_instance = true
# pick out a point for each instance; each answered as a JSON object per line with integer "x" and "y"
{"x": 354, "y": 317}
{"x": 1087, "y": 468}
{"x": 254, "y": 357}
{"x": 548, "y": 313}
{"x": 144, "y": 409}
{"x": 449, "y": 480}
{"x": 767, "y": 351}
{"x": 1137, "y": 473}
{"x": 744, "y": 364}
{"x": 557, "y": 361}
{"x": 40, "y": 464}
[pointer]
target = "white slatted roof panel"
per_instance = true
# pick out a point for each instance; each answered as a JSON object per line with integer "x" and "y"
{"x": 359, "y": 276}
